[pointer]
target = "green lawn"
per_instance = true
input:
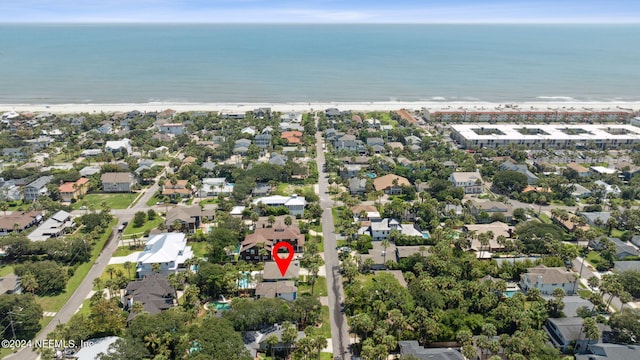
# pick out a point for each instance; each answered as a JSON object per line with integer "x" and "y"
{"x": 148, "y": 225}
{"x": 55, "y": 303}
{"x": 86, "y": 307}
{"x": 114, "y": 201}
{"x": 118, "y": 267}
{"x": 593, "y": 258}
{"x": 6, "y": 270}
{"x": 544, "y": 218}
{"x": 326, "y": 356}
{"x": 200, "y": 248}
{"x": 616, "y": 233}
{"x": 208, "y": 201}
{"x": 127, "y": 250}
{"x": 325, "y": 328}
{"x": 320, "y": 288}
{"x": 155, "y": 199}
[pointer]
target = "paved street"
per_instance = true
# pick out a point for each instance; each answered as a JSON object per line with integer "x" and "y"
{"x": 339, "y": 328}
{"x": 85, "y": 288}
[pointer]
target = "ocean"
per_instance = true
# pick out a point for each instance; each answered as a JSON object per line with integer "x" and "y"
{"x": 118, "y": 63}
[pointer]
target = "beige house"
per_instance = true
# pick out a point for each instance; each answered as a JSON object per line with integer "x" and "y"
{"x": 117, "y": 182}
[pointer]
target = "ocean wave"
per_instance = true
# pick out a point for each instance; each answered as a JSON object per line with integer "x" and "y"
{"x": 558, "y": 98}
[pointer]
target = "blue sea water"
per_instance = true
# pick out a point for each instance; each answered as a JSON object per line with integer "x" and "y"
{"x": 120, "y": 63}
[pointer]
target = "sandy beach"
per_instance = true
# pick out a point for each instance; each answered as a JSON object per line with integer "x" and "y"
{"x": 306, "y": 107}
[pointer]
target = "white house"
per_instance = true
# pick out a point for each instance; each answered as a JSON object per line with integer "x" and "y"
{"x": 214, "y": 187}
{"x": 294, "y": 203}
{"x": 118, "y": 145}
{"x": 548, "y": 279}
{"x": 381, "y": 229}
{"x": 170, "y": 250}
{"x": 471, "y": 182}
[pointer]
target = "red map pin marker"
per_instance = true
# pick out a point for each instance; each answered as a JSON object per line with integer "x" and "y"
{"x": 283, "y": 264}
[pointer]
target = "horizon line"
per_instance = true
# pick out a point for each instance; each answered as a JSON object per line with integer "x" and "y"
{"x": 143, "y": 22}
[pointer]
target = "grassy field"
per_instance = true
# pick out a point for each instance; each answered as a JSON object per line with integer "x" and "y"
{"x": 593, "y": 258}
{"x": 320, "y": 288}
{"x": 55, "y": 303}
{"x": 6, "y": 270}
{"x": 616, "y": 233}
{"x": 86, "y": 307}
{"x": 154, "y": 200}
{"x": 114, "y": 201}
{"x": 200, "y": 248}
{"x": 148, "y": 225}
{"x": 544, "y": 218}
{"x": 127, "y": 250}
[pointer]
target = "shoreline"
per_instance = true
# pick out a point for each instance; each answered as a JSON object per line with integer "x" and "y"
{"x": 318, "y": 106}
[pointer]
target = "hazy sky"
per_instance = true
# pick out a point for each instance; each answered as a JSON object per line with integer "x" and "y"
{"x": 322, "y": 11}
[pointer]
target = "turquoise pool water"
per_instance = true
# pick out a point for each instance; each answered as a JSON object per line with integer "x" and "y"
{"x": 425, "y": 235}
{"x": 219, "y": 305}
{"x": 509, "y": 293}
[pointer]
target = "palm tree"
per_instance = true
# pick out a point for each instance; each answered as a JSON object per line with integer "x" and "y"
{"x": 111, "y": 270}
{"x": 137, "y": 307}
{"x": 272, "y": 341}
{"x": 385, "y": 244}
{"x": 29, "y": 282}
{"x": 155, "y": 267}
{"x": 128, "y": 265}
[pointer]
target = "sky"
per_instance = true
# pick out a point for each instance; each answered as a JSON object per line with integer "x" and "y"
{"x": 322, "y": 11}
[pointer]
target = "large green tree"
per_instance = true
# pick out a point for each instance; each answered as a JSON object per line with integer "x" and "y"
{"x": 20, "y": 316}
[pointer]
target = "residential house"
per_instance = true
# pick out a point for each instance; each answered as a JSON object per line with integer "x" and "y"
{"x": 277, "y": 159}
{"x": 89, "y": 170}
{"x": 610, "y": 352}
{"x": 413, "y": 348}
{"x": 10, "y": 284}
{"x": 294, "y": 203}
{"x": 249, "y": 130}
{"x": 293, "y": 117}
{"x": 375, "y": 141}
{"x": 214, "y": 187}
{"x": 117, "y": 182}
{"x": 105, "y": 128}
{"x": 520, "y": 168}
{"x": 180, "y": 189}
{"x": 623, "y": 249}
{"x": 497, "y": 228}
{"x": 37, "y": 188}
{"x": 357, "y": 186}
{"x": 91, "y": 152}
{"x": 54, "y": 226}
{"x": 365, "y": 213}
{"x": 567, "y": 333}
{"x": 608, "y": 189}
{"x": 332, "y": 113}
{"x": 263, "y": 113}
{"x": 171, "y": 128}
{"x": 119, "y": 145}
{"x": 169, "y": 250}
{"x": 599, "y": 218}
{"x": 380, "y": 230}
{"x": 154, "y": 293}
{"x": 265, "y": 238}
{"x": 581, "y": 170}
{"x": 261, "y": 189}
{"x": 9, "y": 191}
{"x": 189, "y": 217}
{"x": 391, "y": 184}
{"x": 471, "y": 182}
{"x": 580, "y": 191}
{"x": 480, "y": 208}
{"x": 350, "y": 170}
{"x": 70, "y": 191}
{"x": 548, "y": 279}
{"x": 619, "y": 266}
{"x": 286, "y": 290}
{"x": 263, "y": 141}
{"x": 19, "y": 221}
{"x": 379, "y": 255}
{"x": 412, "y": 139}
{"x": 292, "y": 137}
